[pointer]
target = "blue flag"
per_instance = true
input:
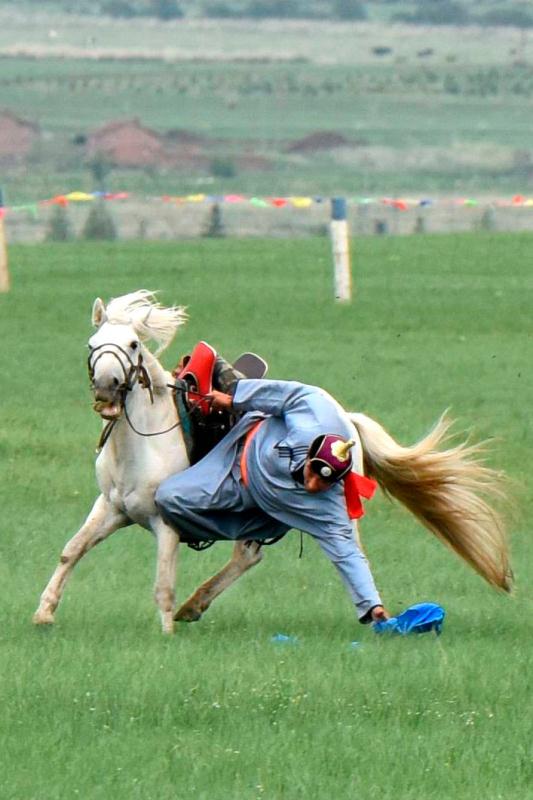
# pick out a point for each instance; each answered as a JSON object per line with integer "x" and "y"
{"x": 420, "y": 618}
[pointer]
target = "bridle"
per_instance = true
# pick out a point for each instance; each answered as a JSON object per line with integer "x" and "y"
{"x": 136, "y": 373}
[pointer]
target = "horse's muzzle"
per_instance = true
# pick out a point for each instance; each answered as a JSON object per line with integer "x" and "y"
{"x": 108, "y": 407}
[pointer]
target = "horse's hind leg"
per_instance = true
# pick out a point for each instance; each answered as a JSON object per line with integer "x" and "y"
{"x": 244, "y": 556}
{"x": 103, "y": 520}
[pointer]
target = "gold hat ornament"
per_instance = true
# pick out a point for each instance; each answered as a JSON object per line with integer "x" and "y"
{"x": 341, "y": 449}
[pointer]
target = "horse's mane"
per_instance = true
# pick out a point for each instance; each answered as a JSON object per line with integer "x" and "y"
{"x": 149, "y": 318}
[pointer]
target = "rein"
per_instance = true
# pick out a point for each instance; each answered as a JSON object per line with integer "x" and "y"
{"x": 177, "y": 424}
{"x": 137, "y": 373}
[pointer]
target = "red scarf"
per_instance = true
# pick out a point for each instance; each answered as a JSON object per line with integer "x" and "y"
{"x": 355, "y": 487}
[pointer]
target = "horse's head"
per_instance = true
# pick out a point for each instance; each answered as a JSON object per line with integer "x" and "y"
{"x": 117, "y": 355}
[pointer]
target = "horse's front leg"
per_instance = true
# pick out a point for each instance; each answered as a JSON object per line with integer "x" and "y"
{"x": 103, "y": 520}
{"x": 244, "y": 556}
{"x": 165, "y": 581}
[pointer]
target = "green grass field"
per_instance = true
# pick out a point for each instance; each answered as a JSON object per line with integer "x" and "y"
{"x": 103, "y": 706}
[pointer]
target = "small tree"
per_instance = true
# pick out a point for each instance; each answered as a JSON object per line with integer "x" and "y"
{"x": 420, "y": 225}
{"x": 99, "y": 224}
{"x": 221, "y": 10}
{"x": 523, "y": 164}
{"x": 100, "y": 167}
{"x": 511, "y": 17}
{"x": 59, "y": 228}
{"x": 167, "y": 9}
{"x": 214, "y": 228}
{"x": 222, "y": 167}
{"x": 436, "y": 12}
{"x": 119, "y": 8}
{"x": 349, "y": 9}
{"x": 288, "y": 9}
{"x": 487, "y": 221}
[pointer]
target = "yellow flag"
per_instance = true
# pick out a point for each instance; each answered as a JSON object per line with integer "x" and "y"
{"x": 79, "y": 197}
{"x": 301, "y": 202}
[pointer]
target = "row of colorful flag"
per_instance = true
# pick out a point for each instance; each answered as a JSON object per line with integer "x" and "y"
{"x": 398, "y": 203}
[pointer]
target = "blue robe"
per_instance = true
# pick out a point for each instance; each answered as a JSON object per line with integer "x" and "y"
{"x": 209, "y": 500}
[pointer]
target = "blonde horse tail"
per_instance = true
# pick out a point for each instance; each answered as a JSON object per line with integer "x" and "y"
{"x": 448, "y": 488}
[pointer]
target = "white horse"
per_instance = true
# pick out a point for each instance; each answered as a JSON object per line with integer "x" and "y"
{"x": 143, "y": 444}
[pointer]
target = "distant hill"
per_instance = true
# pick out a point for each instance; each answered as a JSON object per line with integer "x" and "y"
{"x": 515, "y": 13}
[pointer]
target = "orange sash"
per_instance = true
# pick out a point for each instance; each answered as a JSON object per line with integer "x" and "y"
{"x": 247, "y": 442}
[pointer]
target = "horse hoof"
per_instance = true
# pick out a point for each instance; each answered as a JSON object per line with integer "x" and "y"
{"x": 168, "y": 628}
{"x": 43, "y": 618}
{"x": 187, "y": 614}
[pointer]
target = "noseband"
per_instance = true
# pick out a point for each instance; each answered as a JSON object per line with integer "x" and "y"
{"x": 137, "y": 372}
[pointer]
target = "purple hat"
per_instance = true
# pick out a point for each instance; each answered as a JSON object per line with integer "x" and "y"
{"x": 329, "y": 456}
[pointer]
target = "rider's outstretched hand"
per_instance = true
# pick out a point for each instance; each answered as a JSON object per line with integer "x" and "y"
{"x": 379, "y": 614}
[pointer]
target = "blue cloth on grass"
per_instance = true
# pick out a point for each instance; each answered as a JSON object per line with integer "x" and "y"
{"x": 420, "y": 618}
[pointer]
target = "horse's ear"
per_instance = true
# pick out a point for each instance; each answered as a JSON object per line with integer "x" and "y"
{"x": 99, "y": 315}
{"x": 146, "y": 318}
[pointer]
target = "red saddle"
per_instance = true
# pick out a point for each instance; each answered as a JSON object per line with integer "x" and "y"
{"x": 197, "y": 371}
{"x": 203, "y": 371}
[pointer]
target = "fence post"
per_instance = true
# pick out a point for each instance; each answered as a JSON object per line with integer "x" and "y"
{"x": 341, "y": 250}
{"x": 4, "y": 270}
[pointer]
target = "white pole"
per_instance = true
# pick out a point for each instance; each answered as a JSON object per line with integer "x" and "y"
{"x": 4, "y": 270}
{"x": 341, "y": 250}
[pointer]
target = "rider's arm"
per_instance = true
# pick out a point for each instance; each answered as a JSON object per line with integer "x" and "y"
{"x": 277, "y": 398}
{"x": 354, "y": 570}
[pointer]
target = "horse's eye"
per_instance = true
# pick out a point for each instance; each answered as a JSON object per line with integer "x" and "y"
{"x": 134, "y": 345}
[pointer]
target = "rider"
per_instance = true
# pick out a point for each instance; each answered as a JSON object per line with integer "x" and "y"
{"x": 286, "y": 464}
